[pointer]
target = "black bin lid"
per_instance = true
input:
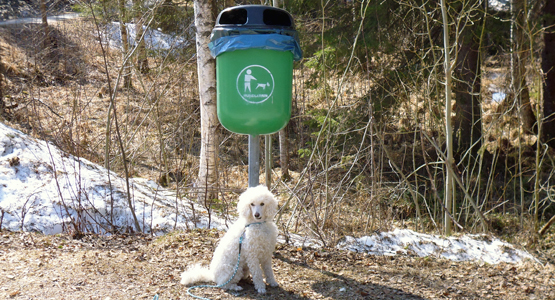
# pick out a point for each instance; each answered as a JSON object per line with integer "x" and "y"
{"x": 258, "y": 16}
{"x": 254, "y": 27}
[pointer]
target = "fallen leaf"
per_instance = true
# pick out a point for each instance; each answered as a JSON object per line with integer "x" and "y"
{"x": 13, "y": 294}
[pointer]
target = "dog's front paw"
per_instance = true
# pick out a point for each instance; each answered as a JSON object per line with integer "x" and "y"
{"x": 234, "y": 287}
{"x": 273, "y": 283}
{"x": 261, "y": 290}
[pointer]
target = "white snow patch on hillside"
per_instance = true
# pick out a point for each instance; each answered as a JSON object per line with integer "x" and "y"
{"x": 154, "y": 39}
{"x": 465, "y": 248}
{"x": 46, "y": 190}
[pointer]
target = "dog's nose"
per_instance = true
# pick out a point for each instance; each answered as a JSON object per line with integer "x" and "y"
{"x": 257, "y": 215}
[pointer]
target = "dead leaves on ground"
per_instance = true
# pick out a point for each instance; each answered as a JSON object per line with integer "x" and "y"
{"x": 138, "y": 267}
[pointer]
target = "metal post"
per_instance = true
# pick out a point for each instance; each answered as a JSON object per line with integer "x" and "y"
{"x": 254, "y": 159}
{"x": 268, "y": 161}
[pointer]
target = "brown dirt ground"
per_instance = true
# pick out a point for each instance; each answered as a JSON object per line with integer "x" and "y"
{"x": 35, "y": 266}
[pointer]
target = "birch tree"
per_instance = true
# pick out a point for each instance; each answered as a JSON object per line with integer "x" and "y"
{"x": 206, "y": 68}
{"x": 449, "y": 182}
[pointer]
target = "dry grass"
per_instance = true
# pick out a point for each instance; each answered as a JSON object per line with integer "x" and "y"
{"x": 65, "y": 97}
{"x": 61, "y": 94}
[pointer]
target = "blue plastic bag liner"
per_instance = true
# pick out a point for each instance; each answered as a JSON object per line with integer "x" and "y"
{"x": 251, "y": 39}
{"x": 254, "y": 27}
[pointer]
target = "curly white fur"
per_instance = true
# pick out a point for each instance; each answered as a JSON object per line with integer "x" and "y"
{"x": 255, "y": 205}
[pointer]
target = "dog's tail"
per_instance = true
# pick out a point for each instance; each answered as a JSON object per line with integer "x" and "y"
{"x": 196, "y": 273}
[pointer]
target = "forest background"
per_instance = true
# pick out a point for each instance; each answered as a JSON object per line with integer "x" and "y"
{"x": 370, "y": 137}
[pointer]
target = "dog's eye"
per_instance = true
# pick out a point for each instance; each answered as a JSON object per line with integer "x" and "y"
{"x": 261, "y": 204}
{"x": 252, "y": 204}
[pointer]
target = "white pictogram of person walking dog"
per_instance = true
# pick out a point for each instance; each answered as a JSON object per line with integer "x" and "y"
{"x": 255, "y": 88}
{"x": 249, "y": 77}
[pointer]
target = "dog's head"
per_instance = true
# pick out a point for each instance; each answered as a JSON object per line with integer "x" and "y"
{"x": 257, "y": 204}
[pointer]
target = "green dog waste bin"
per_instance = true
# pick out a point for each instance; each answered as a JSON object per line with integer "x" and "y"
{"x": 254, "y": 47}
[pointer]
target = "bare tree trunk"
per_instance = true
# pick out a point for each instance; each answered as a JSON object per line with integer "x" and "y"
{"x": 125, "y": 45}
{"x": 284, "y": 154}
{"x": 519, "y": 58}
{"x": 548, "y": 61}
{"x": 449, "y": 181}
{"x": 142, "y": 62}
{"x": 44, "y": 16}
{"x": 204, "y": 22}
{"x": 2, "y": 72}
{"x": 468, "y": 124}
{"x": 283, "y": 143}
{"x": 467, "y": 87}
{"x": 546, "y": 226}
{"x": 268, "y": 159}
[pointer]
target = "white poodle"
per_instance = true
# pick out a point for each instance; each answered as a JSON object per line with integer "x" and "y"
{"x": 256, "y": 209}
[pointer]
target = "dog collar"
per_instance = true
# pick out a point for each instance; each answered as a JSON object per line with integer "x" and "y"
{"x": 256, "y": 223}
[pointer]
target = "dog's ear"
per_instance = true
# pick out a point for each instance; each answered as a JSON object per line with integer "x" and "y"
{"x": 272, "y": 205}
{"x": 243, "y": 207}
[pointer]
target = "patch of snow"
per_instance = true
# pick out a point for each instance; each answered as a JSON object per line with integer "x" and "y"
{"x": 499, "y": 5}
{"x": 44, "y": 189}
{"x": 299, "y": 241}
{"x": 495, "y": 75}
{"x": 498, "y": 97}
{"x": 498, "y": 92}
{"x": 465, "y": 248}
{"x": 37, "y": 20}
{"x": 154, "y": 39}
